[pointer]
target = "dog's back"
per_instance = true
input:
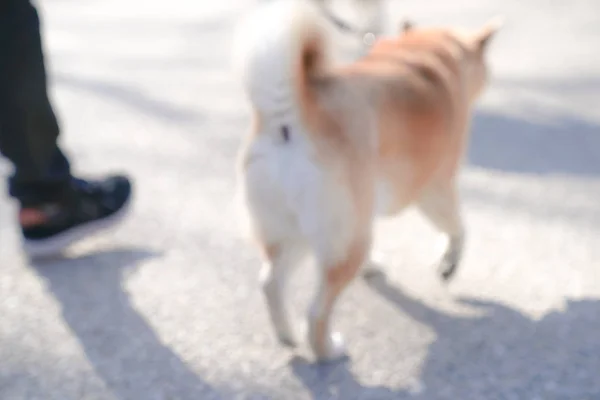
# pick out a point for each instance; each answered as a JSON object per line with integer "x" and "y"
{"x": 423, "y": 83}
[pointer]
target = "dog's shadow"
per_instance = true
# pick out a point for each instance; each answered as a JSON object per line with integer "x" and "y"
{"x": 498, "y": 354}
{"x": 119, "y": 343}
{"x": 334, "y": 381}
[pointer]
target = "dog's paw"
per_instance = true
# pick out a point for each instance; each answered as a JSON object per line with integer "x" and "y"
{"x": 334, "y": 351}
{"x": 287, "y": 341}
{"x": 287, "y": 337}
{"x": 447, "y": 268}
{"x": 373, "y": 266}
{"x": 370, "y": 269}
{"x": 451, "y": 260}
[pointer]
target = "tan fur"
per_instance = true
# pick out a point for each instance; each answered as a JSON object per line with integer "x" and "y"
{"x": 397, "y": 118}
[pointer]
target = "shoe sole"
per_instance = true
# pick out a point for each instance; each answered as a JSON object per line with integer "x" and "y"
{"x": 59, "y": 243}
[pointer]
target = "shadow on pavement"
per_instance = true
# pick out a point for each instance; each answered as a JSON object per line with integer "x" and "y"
{"x": 556, "y": 146}
{"x": 191, "y": 39}
{"x": 501, "y": 354}
{"x": 119, "y": 343}
{"x": 130, "y": 97}
{"x": 335, "y": 381}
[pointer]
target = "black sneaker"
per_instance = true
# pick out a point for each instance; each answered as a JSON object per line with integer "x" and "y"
{"x": 91, "y": 207}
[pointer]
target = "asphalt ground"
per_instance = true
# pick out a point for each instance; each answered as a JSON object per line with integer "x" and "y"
{"x": 168, "y": 305}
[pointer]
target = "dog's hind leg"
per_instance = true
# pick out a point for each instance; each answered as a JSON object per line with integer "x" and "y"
{"x": 280, "y": 262}
{"x": 440, "y": 204}
{"x": 333, "y": 279}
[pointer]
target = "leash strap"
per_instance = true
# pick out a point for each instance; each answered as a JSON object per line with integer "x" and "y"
{"x": 367, "y": 36}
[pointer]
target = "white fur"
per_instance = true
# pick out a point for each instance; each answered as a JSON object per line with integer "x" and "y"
{"x": 293, "y": 201}
{"x": 291, "y": 197}
{"x": 288, "y": 194}
{"x": 266, "y": 50}
{"x": 388, "y": 201}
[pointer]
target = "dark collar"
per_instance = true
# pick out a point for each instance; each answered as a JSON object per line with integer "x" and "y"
{"x": 341, "y": 24}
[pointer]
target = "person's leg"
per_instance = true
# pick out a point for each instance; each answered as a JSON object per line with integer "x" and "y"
{"x": 28, "y": 126}
{"x": 55, "y": 208}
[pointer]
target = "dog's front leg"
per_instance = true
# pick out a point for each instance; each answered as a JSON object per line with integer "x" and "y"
{"x": 440, "y": 204}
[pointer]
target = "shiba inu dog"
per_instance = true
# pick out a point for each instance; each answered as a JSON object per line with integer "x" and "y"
{"x": 333, "y": 147}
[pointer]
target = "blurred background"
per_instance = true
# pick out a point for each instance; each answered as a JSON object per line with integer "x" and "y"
{"x": 168, "y": 307}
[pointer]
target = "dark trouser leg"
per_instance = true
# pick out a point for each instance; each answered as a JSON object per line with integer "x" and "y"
{"x": 28, "y": 126}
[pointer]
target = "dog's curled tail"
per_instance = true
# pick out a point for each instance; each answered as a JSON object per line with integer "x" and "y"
{"x": 311, "y": 49}
{"x": 279, "y": 50}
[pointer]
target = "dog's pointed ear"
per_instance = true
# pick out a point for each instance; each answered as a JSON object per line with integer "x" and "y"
{"x": 406, "y": 26}
{"x": 489, "y": 30}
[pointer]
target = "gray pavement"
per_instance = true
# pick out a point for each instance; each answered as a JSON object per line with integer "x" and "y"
{"x": 168, "y": 306}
